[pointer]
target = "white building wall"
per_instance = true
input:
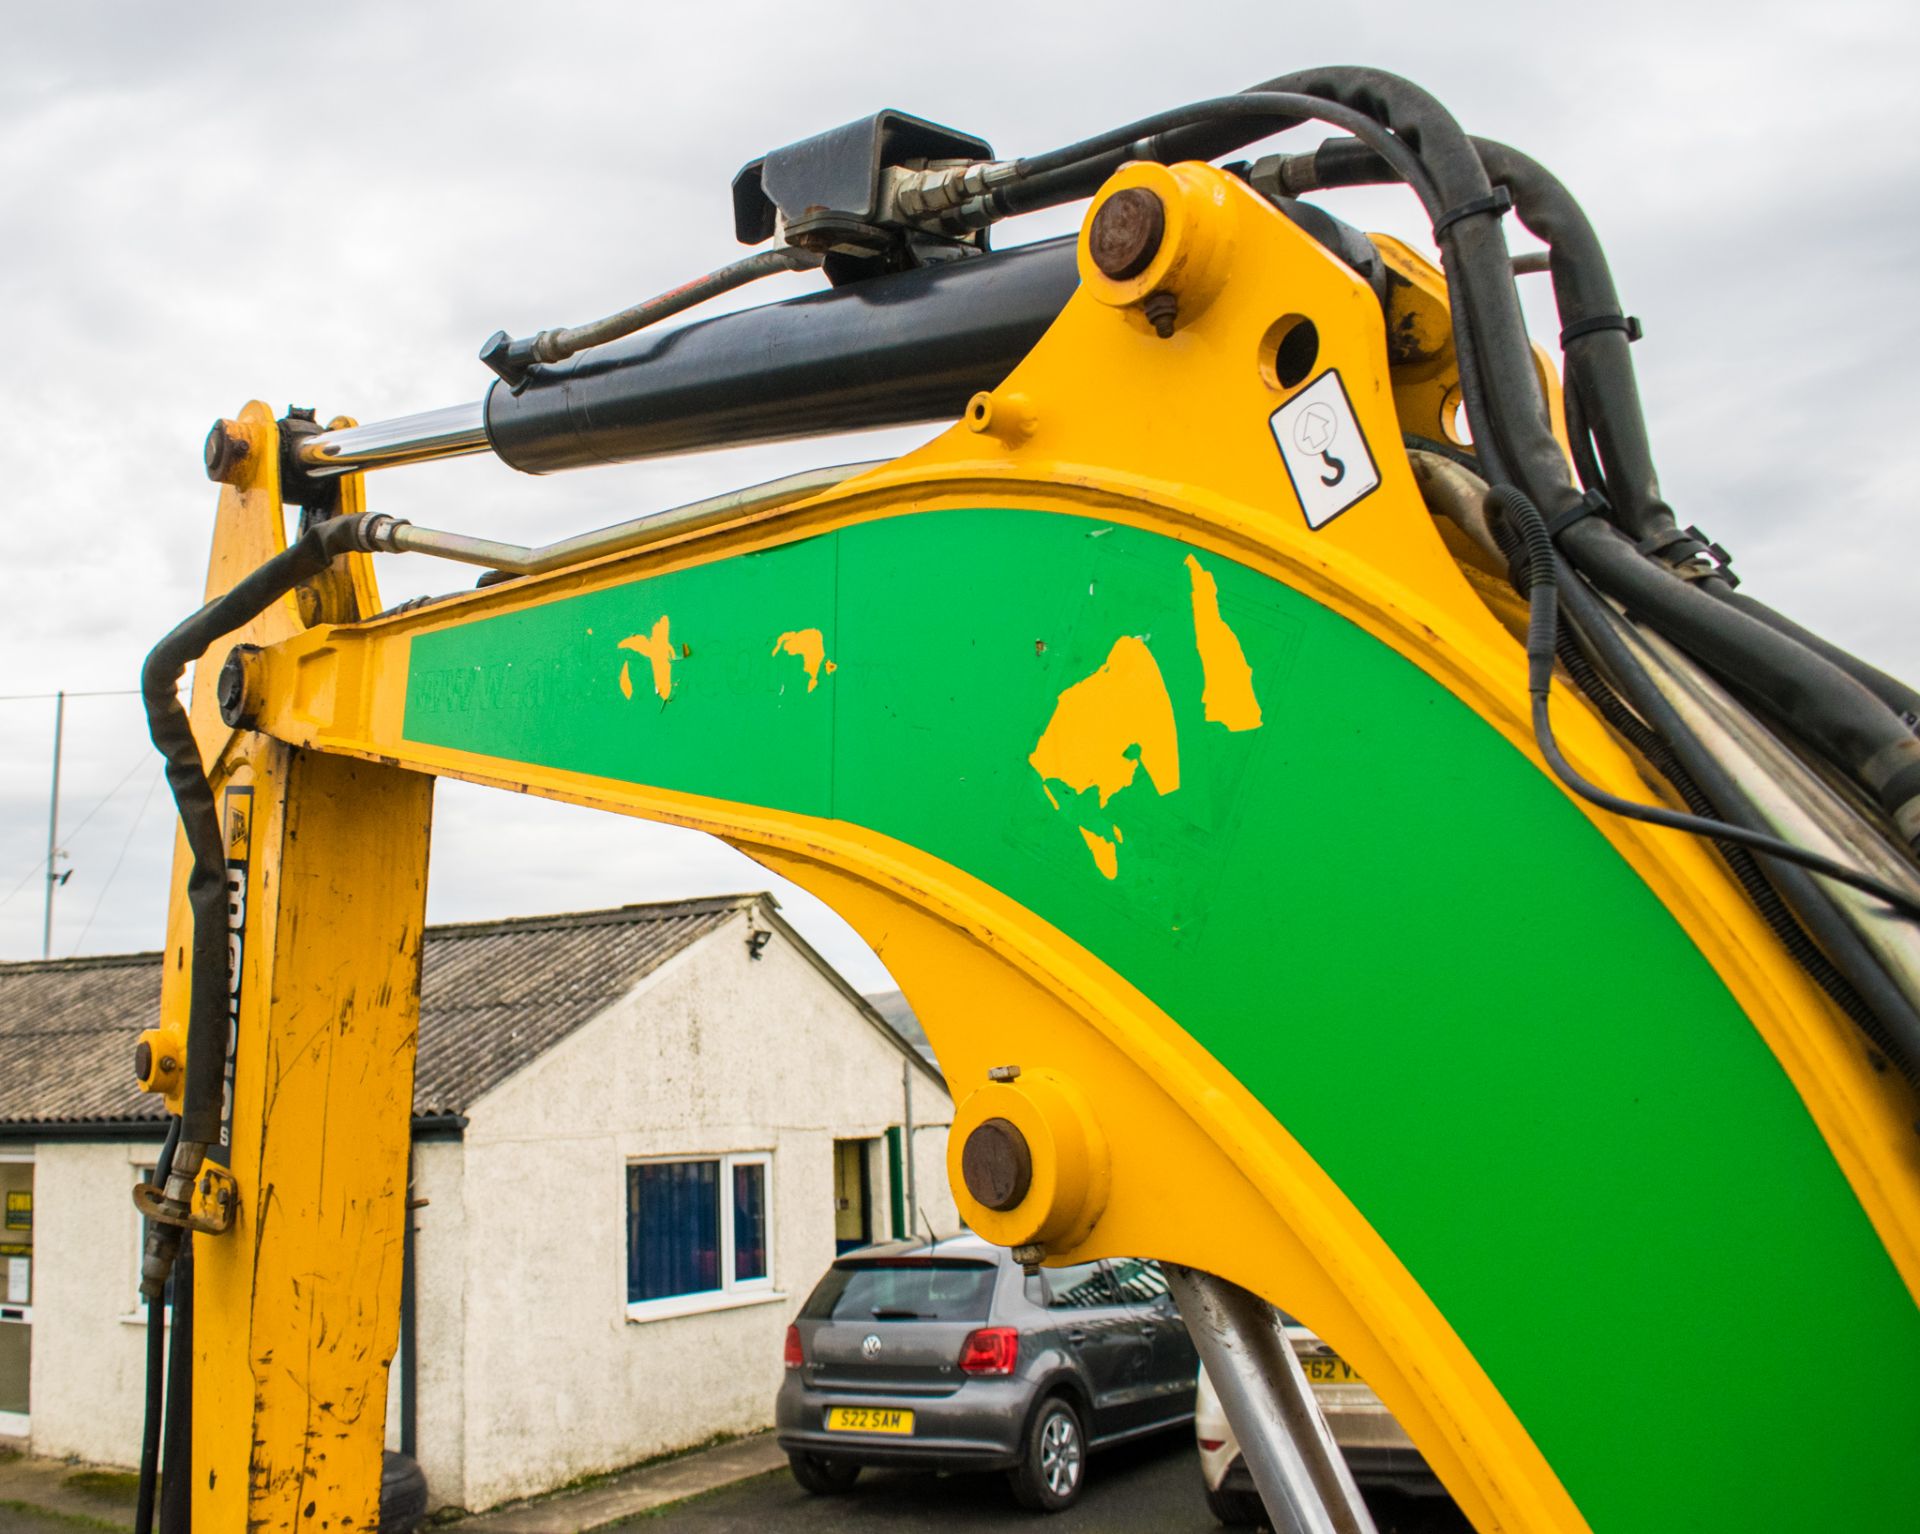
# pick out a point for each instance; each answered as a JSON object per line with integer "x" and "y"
{"x": 714, "y": 1052}
{"x": 89, "y": 1330}
{"x": 440, "y": 1266}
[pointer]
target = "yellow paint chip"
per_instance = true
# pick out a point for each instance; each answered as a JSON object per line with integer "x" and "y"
{"x": 658, "y": 649}
{"x": 1105, "y": 858}
{"x": 812, "y": 650}
{"x": 1105, "y": 728}
{"x": 1228, "y": 690}
{"x": 1108, "y": 725}
{"x": 626, "y": 680}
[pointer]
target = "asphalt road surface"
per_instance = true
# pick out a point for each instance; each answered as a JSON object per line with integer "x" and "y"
{"x": 1144, "y": 1488}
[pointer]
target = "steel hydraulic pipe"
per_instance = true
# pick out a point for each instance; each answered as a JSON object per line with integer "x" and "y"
{"x": 453, "y": 432}
{"x": 1298, "y": 1468}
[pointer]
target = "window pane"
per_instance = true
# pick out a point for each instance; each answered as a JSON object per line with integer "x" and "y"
{"x": 1078, "y": 1286}
{"x": 673, "y": 1228}
{"x": 750, "y": 1221}
{"x": 1141, "y": 1283}
{"x": 903, "y": 1289}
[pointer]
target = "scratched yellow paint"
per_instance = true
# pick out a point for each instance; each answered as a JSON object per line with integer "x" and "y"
{"x": 812, "y": 650}
{"x": 1228, "y": 696}
{"x": 658, "y": 649}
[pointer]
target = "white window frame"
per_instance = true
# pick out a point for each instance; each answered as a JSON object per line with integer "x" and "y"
{"x": 733, "y": 1292}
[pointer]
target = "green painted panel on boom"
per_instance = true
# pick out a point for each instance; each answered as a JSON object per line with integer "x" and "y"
{"x": 1401, "y": 937}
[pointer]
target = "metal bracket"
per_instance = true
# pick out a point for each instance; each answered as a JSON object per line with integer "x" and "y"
{"x": 216, "y": 1199}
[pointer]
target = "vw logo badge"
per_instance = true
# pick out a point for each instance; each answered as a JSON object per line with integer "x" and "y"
{"x": 870, "y": 1348}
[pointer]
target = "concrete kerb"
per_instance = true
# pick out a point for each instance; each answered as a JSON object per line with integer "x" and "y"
{"x": 633, "y": 1491}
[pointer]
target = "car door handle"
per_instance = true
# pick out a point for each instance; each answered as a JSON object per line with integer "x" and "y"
{"x": 1076, "y": 1337}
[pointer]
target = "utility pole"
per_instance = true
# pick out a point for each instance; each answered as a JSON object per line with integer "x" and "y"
{"x": 53, "y": 826}
{"x": 906, "y": 1141}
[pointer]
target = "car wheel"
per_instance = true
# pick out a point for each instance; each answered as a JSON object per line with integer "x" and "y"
{"x": 1236, "y": 1509}
{"x": 1050, "y": 1477}
{"x": 822, "y": 1476}
{"x": 403, "y": 1494}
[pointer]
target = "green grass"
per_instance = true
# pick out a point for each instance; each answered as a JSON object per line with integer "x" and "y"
{"x": 60, "y": 1520}
{"x": 111, "y": 1485}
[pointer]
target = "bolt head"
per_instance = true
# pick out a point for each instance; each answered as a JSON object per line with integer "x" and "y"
{"x": 226, "y": 450}
{"x": 1004, "y": 1072}
{"x": 1126, "y": 233}
{"x": 230, "y": 689}
{"x": 996, "y": 1164}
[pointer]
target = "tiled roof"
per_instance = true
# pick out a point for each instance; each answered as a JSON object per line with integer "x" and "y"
{"x": 493, "y": 996}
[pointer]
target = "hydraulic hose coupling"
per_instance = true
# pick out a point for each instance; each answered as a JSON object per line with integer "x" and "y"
{"x": 1028, "y": 1161}
{"x": 1157, "y": 243}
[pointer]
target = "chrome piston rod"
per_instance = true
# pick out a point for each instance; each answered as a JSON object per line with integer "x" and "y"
{"x": 453, "y": 432}
{"x": 1297, "y": 1466}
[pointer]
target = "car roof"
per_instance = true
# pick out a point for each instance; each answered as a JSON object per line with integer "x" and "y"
{"x": 962, "y": 1244}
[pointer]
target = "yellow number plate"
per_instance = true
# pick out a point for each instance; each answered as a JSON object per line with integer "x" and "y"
{"x": 1329, "y": 1371}
{"x": 868, "y": 1419}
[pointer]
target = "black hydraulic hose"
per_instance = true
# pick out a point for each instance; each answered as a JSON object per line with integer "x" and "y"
{"x": 155, "y": 1399}
{"x": 172, "y": 734}
{"x": 1892, "y": 1023}
{"x": 1903, "y": 700}
{"x": 1851, "y": 971}
{"x": 1542, "y": 633}
{"x": 1600, "y": 368}
{"x": 1225, "y": 123}
{"x": 1580, "y": 438}
{"x": 1814, "y": 700}
{"x": 1818, "y": 702}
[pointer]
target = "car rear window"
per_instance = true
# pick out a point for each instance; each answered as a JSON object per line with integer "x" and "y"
{"x": 909, "y": 1290}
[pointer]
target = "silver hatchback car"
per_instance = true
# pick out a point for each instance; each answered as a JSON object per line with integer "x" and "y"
{"x": 944, "y": 1355}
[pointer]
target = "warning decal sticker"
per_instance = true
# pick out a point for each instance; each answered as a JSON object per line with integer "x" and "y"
{"x": 1326, "y": 456}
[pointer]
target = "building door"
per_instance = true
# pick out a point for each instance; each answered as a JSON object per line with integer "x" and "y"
{"x": 852, "y": 1195}
{"x": 16, "y": 1293}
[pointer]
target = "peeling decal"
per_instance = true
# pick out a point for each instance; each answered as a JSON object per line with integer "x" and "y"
{"x": 1228, "y": 690}
{"x": 812, "y": 650}
{"x": 658, "y": 648}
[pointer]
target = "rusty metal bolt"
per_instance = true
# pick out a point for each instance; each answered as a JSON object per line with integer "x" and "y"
{"x": 1003, "y": 1073}
{"x": 1161, "y": 310}
{"x": 996, "y": 1164}
{"x": 231, "y": 690}
{"x": 1126, "y": 233}
{"x": 227, "y": 449}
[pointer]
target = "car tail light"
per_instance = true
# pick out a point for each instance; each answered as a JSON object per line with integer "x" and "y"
{"x": 991, "y": 1350}
{"x": 1211, "y": 1445}
{"x": 795, "y": 1358}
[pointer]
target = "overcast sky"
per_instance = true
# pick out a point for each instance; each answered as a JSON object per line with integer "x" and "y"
{"x": 202, "y": 205}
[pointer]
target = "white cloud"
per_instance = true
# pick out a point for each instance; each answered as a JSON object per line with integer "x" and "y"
{"x": 335, "y": 210}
